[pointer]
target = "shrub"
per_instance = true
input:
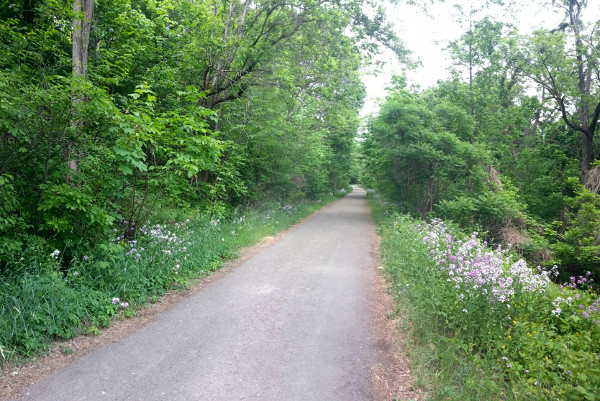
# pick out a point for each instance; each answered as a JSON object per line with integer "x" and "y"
{"x": 473, "y": 305}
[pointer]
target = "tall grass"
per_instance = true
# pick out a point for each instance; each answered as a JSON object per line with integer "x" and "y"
{"x": 41, "y": 300}
{"x": 484, "y": 325}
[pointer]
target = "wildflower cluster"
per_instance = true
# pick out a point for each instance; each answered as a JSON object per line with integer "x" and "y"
{"x": 572, "y": 291}
{"x": 593, "y": 308}
{"x": 169, "y": 242}
{"x": 475, "y": 269}
{"x": 479, "y": 306}
{"x": 557, "y": 305}
{"x": 385, "y": 204}
{"x": 592, "y": 311}
{"x": 117, "y": 301}
{"x": 581, "y": 282}
{"x": 133, "y": 250}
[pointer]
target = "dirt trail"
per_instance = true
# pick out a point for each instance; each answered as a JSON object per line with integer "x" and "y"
{"x": 303, "y": 318}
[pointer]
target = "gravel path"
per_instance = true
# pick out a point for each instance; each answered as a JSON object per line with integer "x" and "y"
{"x": 290, "y": 323}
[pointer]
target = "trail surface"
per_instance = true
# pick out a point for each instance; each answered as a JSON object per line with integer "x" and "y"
{"x": 290, "y": 323}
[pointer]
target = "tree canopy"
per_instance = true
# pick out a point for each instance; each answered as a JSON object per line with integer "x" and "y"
{"x": 113, "y": 110}
{"x": 508, "y": 145}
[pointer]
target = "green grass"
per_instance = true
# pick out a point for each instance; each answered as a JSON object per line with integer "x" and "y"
{"x": 41, "y": 300}
{"x": 466, "y": 348}
{"x": 443, "y": 363}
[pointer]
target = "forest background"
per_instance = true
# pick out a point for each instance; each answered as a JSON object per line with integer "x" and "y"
{"x": 142, "y": 124}
{"x": 144, "y": 141}
{"x": 112, "y": 111}
{"x": 506, "y": 145}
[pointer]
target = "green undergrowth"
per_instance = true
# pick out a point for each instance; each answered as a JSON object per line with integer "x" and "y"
{"x": 531, "y": 340}
{"x": 41, "y": 300}
{"x": 442, "y": 364}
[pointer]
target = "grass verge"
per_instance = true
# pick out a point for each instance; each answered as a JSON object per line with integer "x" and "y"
{"x": 484, "y": 326}
{"x": 41, "y": 300}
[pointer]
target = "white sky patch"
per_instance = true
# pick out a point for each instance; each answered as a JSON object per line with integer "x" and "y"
{"x": 428, "y": 35}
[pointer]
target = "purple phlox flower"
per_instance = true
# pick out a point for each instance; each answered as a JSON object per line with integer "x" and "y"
{"x": 478, "y": 268}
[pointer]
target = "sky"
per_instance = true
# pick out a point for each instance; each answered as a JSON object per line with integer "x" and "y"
{"x": 427, "y": 35}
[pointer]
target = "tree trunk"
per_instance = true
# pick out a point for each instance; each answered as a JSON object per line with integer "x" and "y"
{"x": 587, "y": 143}
{"x": 82, "y": 23}
{"x": 584, "y": 80}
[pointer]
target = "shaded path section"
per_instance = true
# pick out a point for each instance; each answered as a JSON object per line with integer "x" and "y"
{"x": 290, "y": 323}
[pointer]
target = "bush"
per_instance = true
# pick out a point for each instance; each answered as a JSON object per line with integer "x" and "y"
{"x": 576, "y": 245}
{"x": 12, "y": 223}
{"x": 485, "y": 324}
{"x": 488, "y": 211}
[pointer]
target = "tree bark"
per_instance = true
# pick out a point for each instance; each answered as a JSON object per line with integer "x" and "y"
{"x": 82, "y": 23}
{"x": 583, "y": 85}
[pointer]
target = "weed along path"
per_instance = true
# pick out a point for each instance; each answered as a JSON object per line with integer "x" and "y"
{"x": 292, "y": 322}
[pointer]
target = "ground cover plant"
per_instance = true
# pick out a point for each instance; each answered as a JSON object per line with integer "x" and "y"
{"x": 484, "y": 324}
{"x": 42, "y": 299}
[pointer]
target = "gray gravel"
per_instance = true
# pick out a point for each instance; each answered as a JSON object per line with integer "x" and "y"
{"x": 290, "y": 323}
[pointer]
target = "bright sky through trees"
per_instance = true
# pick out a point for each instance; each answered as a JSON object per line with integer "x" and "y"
{"x": 427, "y": 34}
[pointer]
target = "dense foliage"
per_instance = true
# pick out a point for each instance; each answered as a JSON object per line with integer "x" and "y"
{"x": 482, "y": 323}
{"x": 235, "y": 116}
{"x": 507, "y": 146}
{"x": 114, "y": 112}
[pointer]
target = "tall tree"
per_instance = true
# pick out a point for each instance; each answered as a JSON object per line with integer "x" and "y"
{"x": 251, "y": 32}
{"x": 82, "y": 23}
{"x": 564, "y": 62}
